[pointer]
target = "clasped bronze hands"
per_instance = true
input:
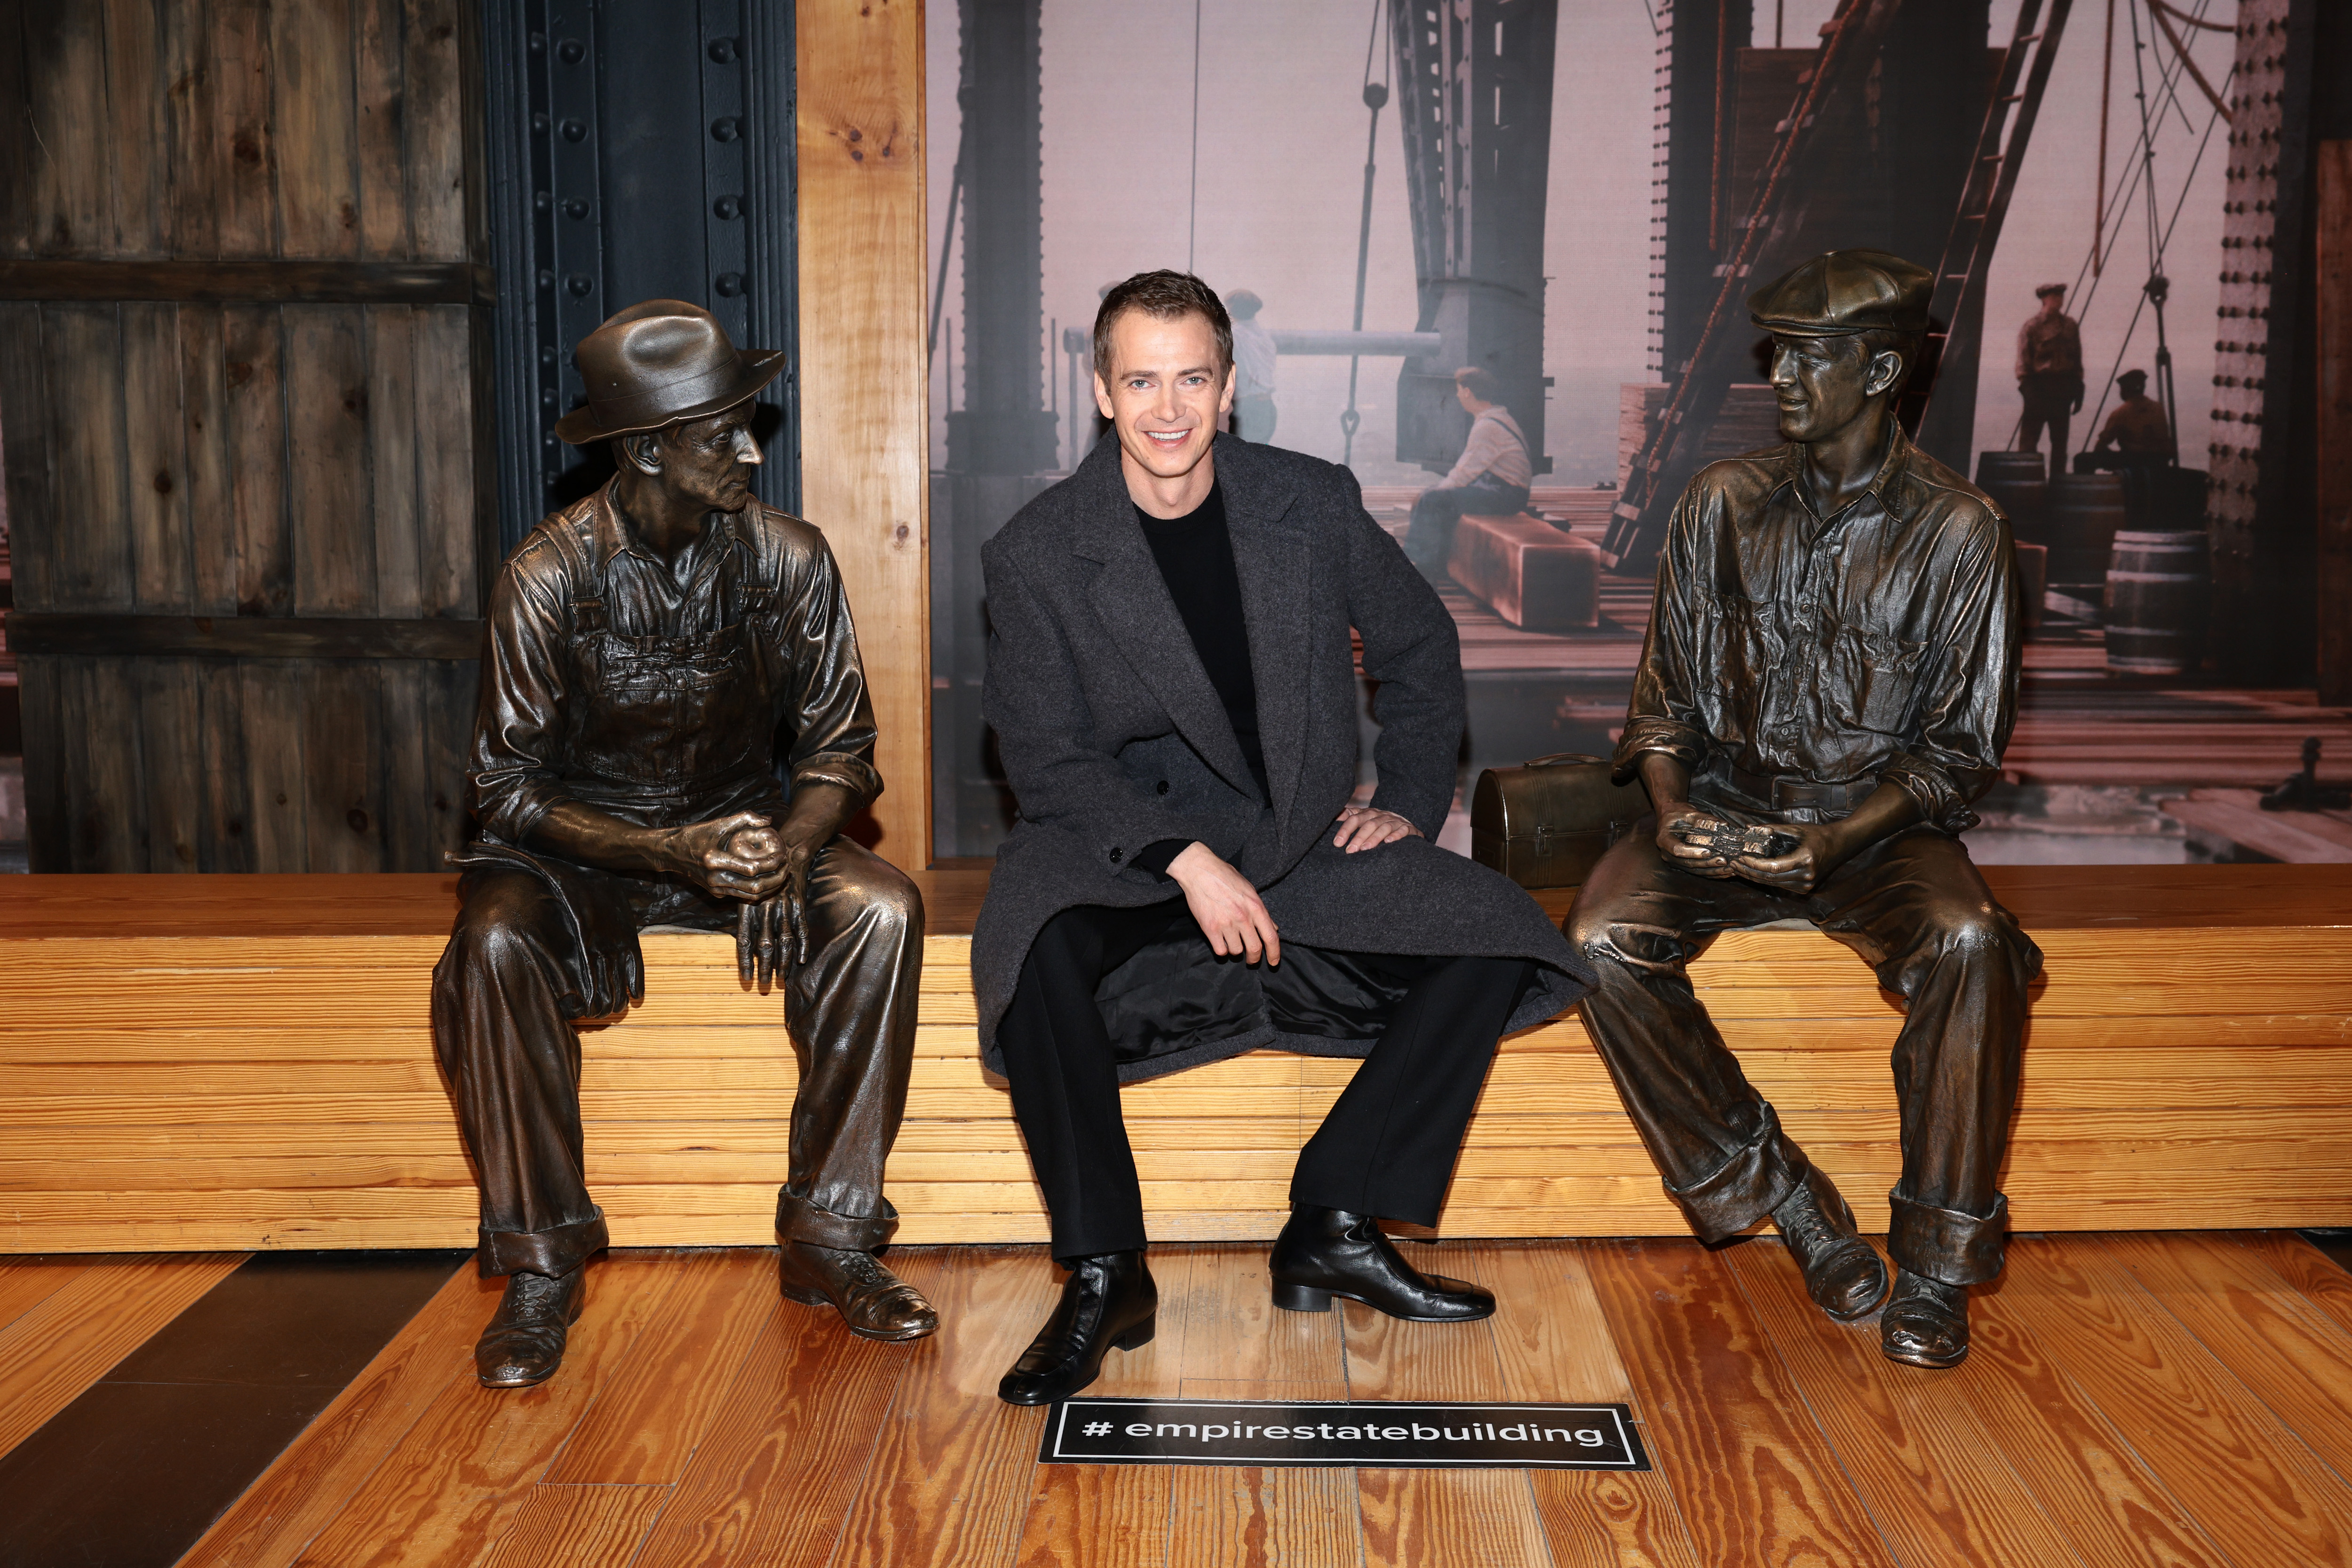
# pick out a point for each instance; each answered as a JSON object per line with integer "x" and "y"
{"x": 768, "y": 874}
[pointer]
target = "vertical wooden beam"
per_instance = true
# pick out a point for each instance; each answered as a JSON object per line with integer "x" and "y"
{"x": 2333, "y": 436}
{"x": 863, "y": 422}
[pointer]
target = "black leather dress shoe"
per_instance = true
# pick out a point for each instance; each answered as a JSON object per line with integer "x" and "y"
{"x": 1322, "y": 1253}
{"x": 524, "y": 1343}
{"x": 1108, "y": 1302}
{"x": 1926, "y": 1322}
{"x": 1843, "y": 1272}
{"x": 875, "y": 1303}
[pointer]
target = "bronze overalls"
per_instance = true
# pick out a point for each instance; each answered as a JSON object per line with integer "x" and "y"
{"x": 663, "y": 731}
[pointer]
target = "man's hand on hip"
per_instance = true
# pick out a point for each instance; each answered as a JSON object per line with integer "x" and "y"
{"x": 1362, "y": 827}
{"x": 1226, "y": 908}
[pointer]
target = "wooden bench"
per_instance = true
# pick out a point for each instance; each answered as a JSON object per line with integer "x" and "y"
{"x": 1537, "y": 577}
{"x": 232, "y": 1062}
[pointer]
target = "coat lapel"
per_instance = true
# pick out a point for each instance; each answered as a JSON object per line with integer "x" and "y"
{"x": 1133, "y": 602}
{"x": 1271, "y": 557}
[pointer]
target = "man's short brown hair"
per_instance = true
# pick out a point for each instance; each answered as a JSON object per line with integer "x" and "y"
{"x": 1164, "y": 296}
{"x": 1479, "y": 383}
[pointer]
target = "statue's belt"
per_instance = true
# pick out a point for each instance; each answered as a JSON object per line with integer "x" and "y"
{"x": 1786, "y": 794}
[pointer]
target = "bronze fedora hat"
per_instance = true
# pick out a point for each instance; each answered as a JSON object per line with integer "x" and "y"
{"x": 656, "y": 363}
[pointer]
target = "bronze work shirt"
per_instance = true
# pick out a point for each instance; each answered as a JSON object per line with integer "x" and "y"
{"x": 667, "y": 692}
{"x": 1879, "y": 644}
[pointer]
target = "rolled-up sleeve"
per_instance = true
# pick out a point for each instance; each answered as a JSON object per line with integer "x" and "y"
{"x": 1970, "y": 702}
{"x": 519, "y": 724}
{"x": 827, "y": 707}
{"x": 1663, "y": 714}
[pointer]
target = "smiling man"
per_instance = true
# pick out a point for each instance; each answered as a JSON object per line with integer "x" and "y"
{"x": 674, "y": 727}
{"x": 1832, "y": 658}
{"x": 1170, "y": 682}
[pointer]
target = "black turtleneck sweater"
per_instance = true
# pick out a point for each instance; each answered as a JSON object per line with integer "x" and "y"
{"x": 1196, "y": 560}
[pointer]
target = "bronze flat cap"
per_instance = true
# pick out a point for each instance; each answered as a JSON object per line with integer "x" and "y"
{"x": 656, "y": 363}
{"x": 1844, "y": 291}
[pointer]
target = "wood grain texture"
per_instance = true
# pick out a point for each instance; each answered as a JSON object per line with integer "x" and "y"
{"x": 246, "y": 1061}
{"x": 2309, "y": 1270}
{"x": 2260, "y": 1494}
{"x": 1117, "y": 1516}
{"x": 2078, "y": 1464}
{"x": 951, "y": 1482}
{"x": 312, "y": 116}
{"x": 2292, "y": 1356}
{"x": 863, "y": 369}
{"x": 1747, "y": 1465}
{"x": 67, "y": 1340}
{"x": 580, "y": 1527}
{"x": 657, "y": 1404}
{"x": 791, "y": 1444}
{"x": 1237, "y": 1346}
{"x": 460, "y": 1478}
{"x": 1437, "y": 1517}
{"x": 27, "y": 1282}
{"x": 1553, "y": 1344}
{"x": 1924, "y": 1463}
{"x": 358, "y": 1433}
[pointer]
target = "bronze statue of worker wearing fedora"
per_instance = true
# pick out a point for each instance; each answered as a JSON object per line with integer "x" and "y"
{"x": 1831, "y": 672}
{"x": 674, "y": 727}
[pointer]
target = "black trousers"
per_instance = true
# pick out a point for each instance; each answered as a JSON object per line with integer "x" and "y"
{"x": 1388, "y": 1147}
{"x": 1916, "y": 909}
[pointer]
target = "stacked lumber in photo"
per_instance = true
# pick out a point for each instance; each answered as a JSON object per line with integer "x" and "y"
{"x": 197, "y": 1062}
{"x": 1538, "y": 577}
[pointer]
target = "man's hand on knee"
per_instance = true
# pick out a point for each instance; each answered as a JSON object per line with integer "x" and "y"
{"x": 1363, "y": 828}
{"x": 1227, "y": 909}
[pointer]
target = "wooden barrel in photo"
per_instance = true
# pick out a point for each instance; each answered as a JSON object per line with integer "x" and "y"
{"x": 2158, "y": 585}
{"x": 2032, "y": 582}
{"x": 2083, "y": 511}
{"x": 2019, "y": 483}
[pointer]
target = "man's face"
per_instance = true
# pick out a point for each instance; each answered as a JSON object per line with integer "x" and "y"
{"x": 1166, "y": 392}
{"x": 709, "y": 460}
{"x": 2053, "y": 303}
{"x": 1824, "y": 385}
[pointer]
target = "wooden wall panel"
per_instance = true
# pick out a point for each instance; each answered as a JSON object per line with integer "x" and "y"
{"x": 287, "y": 453}
{"x": 864, "y": 430}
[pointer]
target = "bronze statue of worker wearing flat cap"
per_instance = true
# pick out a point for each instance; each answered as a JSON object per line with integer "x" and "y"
{"x": 1830, "y": 675}
{"x": 674, "y": 727}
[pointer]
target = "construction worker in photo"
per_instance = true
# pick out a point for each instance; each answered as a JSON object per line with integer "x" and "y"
{"x": 2049, "y": 374}
{"x": 1490, "y": 480}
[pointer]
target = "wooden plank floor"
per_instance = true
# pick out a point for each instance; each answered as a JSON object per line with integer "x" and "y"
{"x": 2175, "y": 1399}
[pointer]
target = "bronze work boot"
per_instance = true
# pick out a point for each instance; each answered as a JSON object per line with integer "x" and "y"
{"x": 875, "y": 1303}
{"x": 524, "y": 1343}
{"x": 1926, "y": 1322}
{"x": 1843, "y": 1274}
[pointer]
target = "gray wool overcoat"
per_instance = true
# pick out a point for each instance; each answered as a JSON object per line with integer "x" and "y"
{"x": 1113, "y": 738}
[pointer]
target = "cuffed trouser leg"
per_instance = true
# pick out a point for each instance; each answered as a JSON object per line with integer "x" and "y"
{"x": 1921, "y": 914}
{"x": 1390, "y": 1143}
{"x": 1065, "y": 1080}
{"x": 1718, "y": 1144}
{"x": 850, "y": 1010}
{"x": 514, "y": 1069}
